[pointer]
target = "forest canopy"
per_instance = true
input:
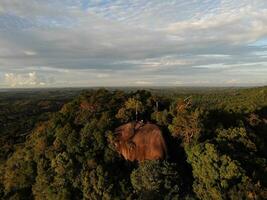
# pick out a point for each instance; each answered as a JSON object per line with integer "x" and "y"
{"x": 216, "y": 144}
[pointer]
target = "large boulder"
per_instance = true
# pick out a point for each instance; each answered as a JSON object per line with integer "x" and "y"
{"x": 139, "y": 141}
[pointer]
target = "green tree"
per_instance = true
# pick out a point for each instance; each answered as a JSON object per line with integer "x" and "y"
{"x": 96, "y": 184}
{"x": 131, "y": 107}
{"x": 156, "y": 180}
{"x": 161, "y": 117}
{"x": 186, "y": 122}
{"x": 217, "y": 176}
{"x": 20, "y": 172}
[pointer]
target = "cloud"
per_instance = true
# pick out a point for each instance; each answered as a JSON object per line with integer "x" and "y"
{"x": 177, "y": 83}
{"x": 131, "y": 41}
{"x": 101, "y": 75}
{"x": 232, "y": 81}
{"x": 23, "y": 80}
{"x": 36, "y": 8}
{"x": 30, "y": 53}
{"x": 143, "y": 83}
{"x": 237, "y": 25}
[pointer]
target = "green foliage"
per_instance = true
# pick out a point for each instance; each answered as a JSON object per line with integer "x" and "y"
{"x": 216, "y": 144}
{"x": 20, "y": 111}
{"x": 216, "y": 167}
{"x": 241, "y": 145}
{"x": 186, "y": 122}
{"x": 236, "y": 138}
{"x": 58, "y": 161}
{"x": 131, "y": 107}
{"x": 96, "y": 184}
{"x": 161, "y": 117}
{"x": 156, "y": 180}
{"x": 216, "y": 173}
{"x": 20, "y": 172}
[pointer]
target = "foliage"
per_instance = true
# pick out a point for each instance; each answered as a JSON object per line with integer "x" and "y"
{"x": 130, "y": 109}
{"x": 216, "y": 141}
{"x": 19, "y": 173}
{"x": 20, "y": 111}
{"x": 186, "y": 122}
{"x": 156, "y": 180}
{"x": 219, "y": 174}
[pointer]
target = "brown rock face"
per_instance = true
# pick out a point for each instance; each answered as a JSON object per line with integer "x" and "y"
{"x": 137, "y": 141}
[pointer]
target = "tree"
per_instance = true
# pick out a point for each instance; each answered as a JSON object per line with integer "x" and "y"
{"x": 186, "y": 122}
{"x": 241, "y": 145}
{"x": 217, "y": 176}
{"x": 20, "y": 172}
{"x": 161, "y": 117}
{"x": 156, "y": 180}
{"x": 96, "y": 184}
{"x": 131, "y": 108}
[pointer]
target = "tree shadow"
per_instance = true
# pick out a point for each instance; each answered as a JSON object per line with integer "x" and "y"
{"x": 216, "y": 119}
{"x": 177, "y": 155}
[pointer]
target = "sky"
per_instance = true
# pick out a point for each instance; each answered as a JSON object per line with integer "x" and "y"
{"x": 73, "y": 43}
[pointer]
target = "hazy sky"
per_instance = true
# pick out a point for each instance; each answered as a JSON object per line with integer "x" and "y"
{"x": 62, "y": 43}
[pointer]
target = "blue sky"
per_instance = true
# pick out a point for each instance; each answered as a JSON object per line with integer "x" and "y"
{"x": 72, "y": 43}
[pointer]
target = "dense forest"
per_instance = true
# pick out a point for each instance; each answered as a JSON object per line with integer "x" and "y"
{"x": 21, "y": 109}
{"x": 58, "y": 145}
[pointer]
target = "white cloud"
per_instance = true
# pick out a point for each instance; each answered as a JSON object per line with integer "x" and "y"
{"x": 114, "y": 42}
{"x": 177, "y": 83}
{"x": 23, "y": 80}
{"x": 30, "y": 53}
{"x": 213, "y": 66}
{"x": 102, "y": 75}
{"x": 34, "y": 8}
{"x": 143, "y": 82}
{"x": 238, "y": 25}
{"x": 232, "y": 81}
